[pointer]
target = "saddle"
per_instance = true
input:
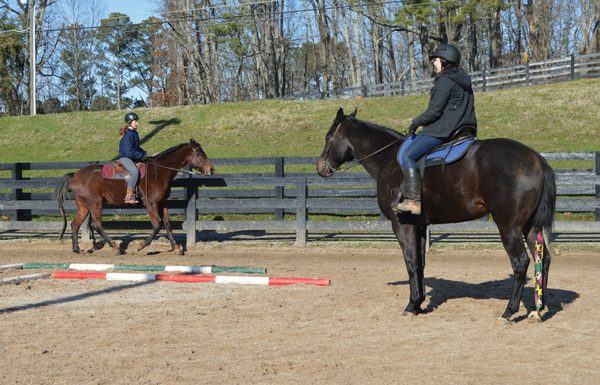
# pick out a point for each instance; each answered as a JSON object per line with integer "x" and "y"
{"x": 449, "y": 152}
{"x": 115, "y": 170}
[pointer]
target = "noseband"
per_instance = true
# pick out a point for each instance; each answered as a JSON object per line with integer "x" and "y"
{"x": 327, "y": 164}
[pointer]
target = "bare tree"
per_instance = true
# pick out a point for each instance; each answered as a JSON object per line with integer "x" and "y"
{"x": 539, "y": 19}
{"x": 15, "y": 83}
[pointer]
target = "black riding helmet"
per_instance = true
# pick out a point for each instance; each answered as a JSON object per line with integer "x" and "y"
{"x": 131, "y": 116}
{"x": 448, "y": 52}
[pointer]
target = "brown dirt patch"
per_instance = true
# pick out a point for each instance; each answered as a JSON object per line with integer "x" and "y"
{"x": 101, "y": 332}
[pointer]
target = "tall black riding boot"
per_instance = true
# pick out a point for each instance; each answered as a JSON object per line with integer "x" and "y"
{"x": 411, "y": 192}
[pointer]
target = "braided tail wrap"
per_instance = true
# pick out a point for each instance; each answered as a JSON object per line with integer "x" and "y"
{"x": 538, "y": 276}
{"x": 542, "y": 224}
{"x": 60, "y": 194}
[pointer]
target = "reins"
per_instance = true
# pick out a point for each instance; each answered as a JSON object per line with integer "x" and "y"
{"x": 357, "y": 161}
{"x": 171, "y": 168}
{"x": 154, "y": 162}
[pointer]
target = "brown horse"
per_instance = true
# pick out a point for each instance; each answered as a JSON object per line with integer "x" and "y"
{"x": 90, "y": 190}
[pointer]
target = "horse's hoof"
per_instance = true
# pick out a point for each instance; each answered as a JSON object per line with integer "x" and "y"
{"x": 501, "y": 321}
{"x": 141, "y": 245}
{"x": 409, "y": 314}
{"x": 534, "y": 317}
{"x": 178, "y": 250}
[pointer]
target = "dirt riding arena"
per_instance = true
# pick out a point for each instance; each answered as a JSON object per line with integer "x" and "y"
{"x": 352, "y": 332}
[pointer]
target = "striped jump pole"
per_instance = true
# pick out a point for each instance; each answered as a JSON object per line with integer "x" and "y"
{"x": 171, "y": 269}
{"x": 23, "y": 278}
{"x": 11, "y": 266}
{"x": 139, "y": 277}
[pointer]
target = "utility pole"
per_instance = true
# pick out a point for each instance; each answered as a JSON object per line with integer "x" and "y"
{"x": 32, "y": 52}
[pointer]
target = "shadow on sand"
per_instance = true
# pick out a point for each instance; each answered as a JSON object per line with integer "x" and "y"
{"x": 73, "y": 298}
{"x": 442, "y": 290}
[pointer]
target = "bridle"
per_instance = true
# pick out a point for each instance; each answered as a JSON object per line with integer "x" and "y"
{"x": 356, "y": 162}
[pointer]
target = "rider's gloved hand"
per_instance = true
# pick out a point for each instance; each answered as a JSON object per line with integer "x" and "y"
{"x": 411, "y": 129}
{"x": 144, "y": 157}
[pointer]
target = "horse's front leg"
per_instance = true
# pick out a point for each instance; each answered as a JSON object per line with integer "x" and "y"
{"x": 167, "y": 224}
{"x": 410, "y": 241}
{"x": 156, "y": 225}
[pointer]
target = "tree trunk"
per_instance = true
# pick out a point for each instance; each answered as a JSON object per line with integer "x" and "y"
{"x": 539, "y": 16}
{"x": 495, "y": 31}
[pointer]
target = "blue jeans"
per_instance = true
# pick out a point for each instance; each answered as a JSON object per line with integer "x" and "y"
{"x": 135, "y": 174}
{"x": 415, "y": 147}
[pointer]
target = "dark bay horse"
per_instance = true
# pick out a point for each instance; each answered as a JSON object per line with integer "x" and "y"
{"x": 502, "y": 177}
{"x": 90, "y": 190}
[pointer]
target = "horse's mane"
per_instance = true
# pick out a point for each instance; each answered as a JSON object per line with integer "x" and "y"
{"x": 168, "y": 151}
{"x": 376, "y": 127}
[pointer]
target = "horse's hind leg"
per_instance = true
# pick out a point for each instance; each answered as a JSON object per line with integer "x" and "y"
{"x": 513, "y": 244}
{"x": 539, "y": 250}
{"x": 96, "y": 213}
{"x": 80, "y": 216}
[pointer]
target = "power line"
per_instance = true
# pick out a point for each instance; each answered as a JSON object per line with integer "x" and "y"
{"x": 187, "y": 17}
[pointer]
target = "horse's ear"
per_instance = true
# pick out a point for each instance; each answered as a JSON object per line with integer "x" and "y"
{"x": 193, "y": 142}
{"x": 353, "y": 114}
{"x": 340, "y": 115}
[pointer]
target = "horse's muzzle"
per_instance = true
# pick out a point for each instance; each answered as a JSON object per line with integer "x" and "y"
{"x": 208, "y": 169}
{"x": 324, "y": 169}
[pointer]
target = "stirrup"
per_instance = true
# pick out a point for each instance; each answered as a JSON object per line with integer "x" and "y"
{"x": 130, "y": 200}
{"x": 411, "y": 206}
{"x": 397, "y": 198}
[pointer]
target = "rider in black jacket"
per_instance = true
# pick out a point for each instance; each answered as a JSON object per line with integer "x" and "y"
{"x": 451, "y": 107}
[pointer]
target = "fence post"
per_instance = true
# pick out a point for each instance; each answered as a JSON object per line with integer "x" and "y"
{"x": 279, "y": 193}
{"x": 572, "y": 66}
{"x": 403, "y": 86}
{"x": 527, "y": 79}
{"x": 597, "y": 185}
{"x": 16, "y": 174}
{"x": 301, "y": 211}
{"x": 484, "y": 79}
{"x": 191, "y": 194}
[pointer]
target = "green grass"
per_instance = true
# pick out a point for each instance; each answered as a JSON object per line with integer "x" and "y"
{"x": 561, "y": 117}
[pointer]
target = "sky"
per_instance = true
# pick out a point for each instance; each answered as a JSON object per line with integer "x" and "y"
{"x": 137, "y": 10}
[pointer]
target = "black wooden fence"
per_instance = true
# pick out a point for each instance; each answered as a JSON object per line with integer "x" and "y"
{"x": 276, "y": 201}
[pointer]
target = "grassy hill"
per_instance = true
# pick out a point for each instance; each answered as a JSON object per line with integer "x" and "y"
{"x": 561, "y": 117}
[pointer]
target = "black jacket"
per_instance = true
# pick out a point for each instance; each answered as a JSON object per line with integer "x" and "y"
{"x": 451, "y": 105}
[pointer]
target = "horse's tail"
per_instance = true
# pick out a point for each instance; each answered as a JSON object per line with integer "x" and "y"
{"x": 543, "y": 217}
{"x": 60, "y": 193}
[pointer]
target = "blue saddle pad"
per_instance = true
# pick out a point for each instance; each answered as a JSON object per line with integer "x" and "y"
{"x": 445, "y": 153}
{"x": 451, "y": 152}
